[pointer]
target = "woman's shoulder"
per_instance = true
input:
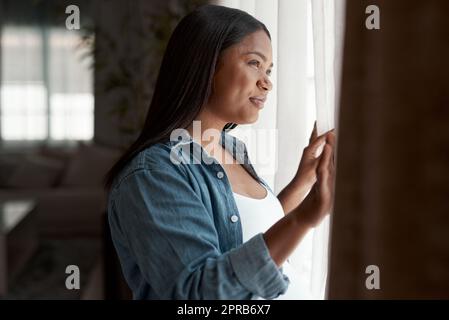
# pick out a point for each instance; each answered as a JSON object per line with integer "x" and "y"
{"x": 158, "y": 156}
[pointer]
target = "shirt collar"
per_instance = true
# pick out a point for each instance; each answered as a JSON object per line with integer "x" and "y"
{"x": 234, "y": 146}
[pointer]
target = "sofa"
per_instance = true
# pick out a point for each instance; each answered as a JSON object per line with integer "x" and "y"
{"x": 66, "y": 184}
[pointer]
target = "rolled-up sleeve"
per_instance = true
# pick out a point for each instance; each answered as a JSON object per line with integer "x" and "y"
{"x": 166, "y": 228}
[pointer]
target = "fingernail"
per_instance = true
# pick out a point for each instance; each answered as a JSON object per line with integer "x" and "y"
{"x": 319, "y": 150}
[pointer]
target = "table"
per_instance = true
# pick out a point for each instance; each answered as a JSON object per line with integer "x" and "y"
{"x": 18, "y": 238}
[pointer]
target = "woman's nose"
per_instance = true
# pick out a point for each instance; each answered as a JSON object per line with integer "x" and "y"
{"x": 265, "y": 84}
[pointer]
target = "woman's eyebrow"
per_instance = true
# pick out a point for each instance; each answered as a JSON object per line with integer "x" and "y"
{"x": 260, "y": 55}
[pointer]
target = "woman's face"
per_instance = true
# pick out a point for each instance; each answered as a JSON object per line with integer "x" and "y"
{"x": 241, "y": 81}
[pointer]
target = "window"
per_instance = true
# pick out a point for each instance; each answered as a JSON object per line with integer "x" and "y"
{"x": 306, "y": 39}
{"x": 46, "y": 86}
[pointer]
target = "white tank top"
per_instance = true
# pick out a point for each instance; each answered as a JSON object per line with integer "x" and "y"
{"x": 258, "y": 215}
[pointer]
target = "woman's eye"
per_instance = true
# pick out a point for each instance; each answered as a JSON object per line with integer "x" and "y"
{"x": 255, "y": 63}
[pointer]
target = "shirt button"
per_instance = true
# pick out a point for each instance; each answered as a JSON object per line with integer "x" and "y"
{"x": 220, "y": 175}
{"x": 234, "y": 218}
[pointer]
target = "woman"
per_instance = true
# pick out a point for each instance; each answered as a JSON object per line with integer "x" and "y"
{"x": 181, "y": 196}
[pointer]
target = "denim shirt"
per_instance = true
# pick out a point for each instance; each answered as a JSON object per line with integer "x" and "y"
{"x": 176, "y": 228}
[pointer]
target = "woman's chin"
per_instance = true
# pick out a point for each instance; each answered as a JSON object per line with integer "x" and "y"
{"x": 254, "y": 118}
{"x": 248, "y": 120}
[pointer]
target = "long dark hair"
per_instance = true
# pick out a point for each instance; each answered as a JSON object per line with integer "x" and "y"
{"x": 185, "y": 77}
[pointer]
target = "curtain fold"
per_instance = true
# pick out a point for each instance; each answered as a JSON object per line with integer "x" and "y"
{"x": 295, "y": 112}
{"x": 328, "y": 24}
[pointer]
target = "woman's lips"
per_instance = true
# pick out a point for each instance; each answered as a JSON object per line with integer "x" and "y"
{"x": 257, "y": 102}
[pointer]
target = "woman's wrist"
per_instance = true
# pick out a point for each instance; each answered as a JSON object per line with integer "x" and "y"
{"x": 283, "y": 237}
{"x": 299, "y": 187}
{"x": 293, "y": 194}
{"x": 303, "y": 215}
{"x": 303, "y": 181}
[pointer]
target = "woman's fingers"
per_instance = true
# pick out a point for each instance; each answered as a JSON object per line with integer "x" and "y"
{"x": 331, "y": 140}
{"x": 316, "y": 146}
{"x": 326, "y": 174}
{"x": 325, "y": 169}
{"x": 323, "y": 166}
{"x": 330, "y": 137}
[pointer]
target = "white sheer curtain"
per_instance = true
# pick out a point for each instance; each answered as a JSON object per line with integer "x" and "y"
{"x": 305, "y": 38}
{"x": 328, "y": 30}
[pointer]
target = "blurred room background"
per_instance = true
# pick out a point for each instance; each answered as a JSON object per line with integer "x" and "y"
{"x": 71, "y": 101}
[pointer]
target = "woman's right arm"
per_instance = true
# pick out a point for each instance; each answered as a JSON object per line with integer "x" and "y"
{"x": 161, "y": 224}
{"x": 284, "y": 236}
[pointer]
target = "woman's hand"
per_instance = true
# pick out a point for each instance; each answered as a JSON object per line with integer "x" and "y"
{"x": 283, "y": 237}
{"x": 319, "y": 201}
{"x": 306, "y": 174}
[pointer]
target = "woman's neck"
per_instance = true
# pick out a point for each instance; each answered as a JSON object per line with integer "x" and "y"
{"x": 206, "y": 130}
